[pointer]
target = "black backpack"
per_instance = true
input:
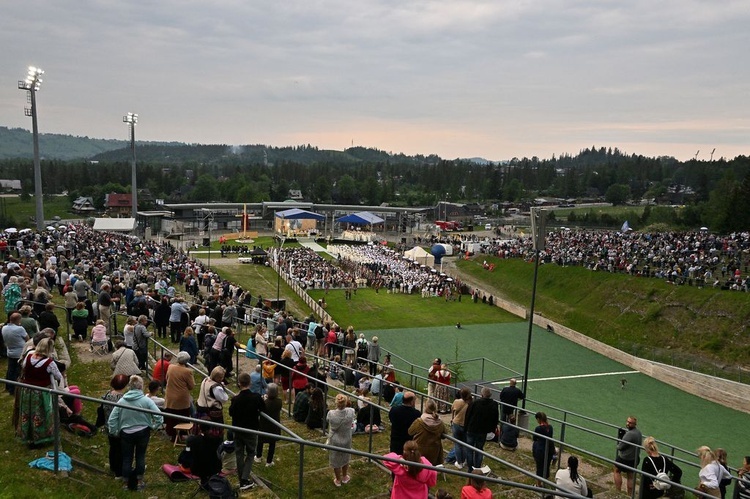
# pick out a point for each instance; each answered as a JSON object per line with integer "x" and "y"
{"x": 218, "y": 487}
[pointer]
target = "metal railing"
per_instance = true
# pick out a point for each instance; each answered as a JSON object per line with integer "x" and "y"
{"x": 297, "y": 440}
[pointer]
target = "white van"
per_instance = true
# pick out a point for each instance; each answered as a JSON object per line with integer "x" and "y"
{"x": 487, "y": 226}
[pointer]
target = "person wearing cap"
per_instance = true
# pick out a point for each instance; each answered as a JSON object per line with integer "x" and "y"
{"x": 180, "y": 382}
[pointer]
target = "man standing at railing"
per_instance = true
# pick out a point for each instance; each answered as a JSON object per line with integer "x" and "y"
{"x": 401, "y": 417}
{"x": 630, "y": 440}
{"x": 245, "y": 412}
{"x": 509, "y": 396}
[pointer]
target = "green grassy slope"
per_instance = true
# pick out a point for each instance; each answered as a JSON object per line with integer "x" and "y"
{"x": 704, "y": 329}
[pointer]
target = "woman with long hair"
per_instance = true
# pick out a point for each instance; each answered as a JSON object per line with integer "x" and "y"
{"x": 316, "y": 410}
{"x": 189, "y": 344}
{"x": 569, "y": 480}
{"x": 711, "y": 473}
{"x": 410, "y": 481}
{"x": 476, "y": 488}
{"x": 543, "y": 449}
{"x": 458, "y": 424}
{"x": 721, "y": 457}
{"x": 428, "y": 431}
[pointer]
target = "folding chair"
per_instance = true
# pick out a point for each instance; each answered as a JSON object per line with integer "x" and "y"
{"x": 99, "y": 347}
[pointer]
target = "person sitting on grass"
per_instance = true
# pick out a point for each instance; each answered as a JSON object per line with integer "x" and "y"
{"x": 154, "y": 387}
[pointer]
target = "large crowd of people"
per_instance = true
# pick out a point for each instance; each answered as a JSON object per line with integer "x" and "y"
{"x": 96, "y": 275}
{"x": 691, "y": 258}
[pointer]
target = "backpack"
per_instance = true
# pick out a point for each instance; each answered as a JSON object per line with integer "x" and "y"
{"x": 218, "y": 487}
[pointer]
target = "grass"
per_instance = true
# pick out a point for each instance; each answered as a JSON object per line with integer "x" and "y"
{"x": 698, "y": 327}
{"x": 22, "y": 211}
{"x": 370, "y": 310}
{"x": 620, "y": 309}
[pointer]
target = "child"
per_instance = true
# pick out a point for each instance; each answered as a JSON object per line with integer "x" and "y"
{"x": 153, "y": 393}
{"x": 334, "y": 369}
{"x": 475, "y": 489}
{"x": 226, "y": 452}
{"x": 269, "y": 368}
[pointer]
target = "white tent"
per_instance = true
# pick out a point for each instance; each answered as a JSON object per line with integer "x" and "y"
{"x": 114, "y": 224}
{"x": 420, "y": 256}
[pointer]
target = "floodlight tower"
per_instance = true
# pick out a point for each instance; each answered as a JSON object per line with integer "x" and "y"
{"x": 31, "y": 84}
{"x": 131, "y": 119}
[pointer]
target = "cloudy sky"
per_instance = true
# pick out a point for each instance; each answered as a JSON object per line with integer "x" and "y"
{"x": 458, "y": 78}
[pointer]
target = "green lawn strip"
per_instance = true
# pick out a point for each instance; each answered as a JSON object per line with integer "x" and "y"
{"x": 370, "y": 310}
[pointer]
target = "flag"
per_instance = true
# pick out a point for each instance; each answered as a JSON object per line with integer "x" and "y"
{"x": 625, "y": 227}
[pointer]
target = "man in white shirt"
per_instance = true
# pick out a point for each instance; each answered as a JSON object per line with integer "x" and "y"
{"x": 294, "y": 346}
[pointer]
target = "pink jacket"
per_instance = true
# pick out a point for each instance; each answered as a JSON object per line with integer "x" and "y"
{"x": 99, "y": 334}
{"x": 407, "y": 487}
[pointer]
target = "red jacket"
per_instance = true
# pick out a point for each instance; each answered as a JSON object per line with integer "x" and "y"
{"x": 299, "y": 382}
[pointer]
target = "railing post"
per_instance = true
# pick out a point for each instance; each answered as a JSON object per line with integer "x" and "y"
{"x": 300, "y": 485}
{"x": 56, "y": 419}
{"x": 562, "y": 438}
{"x": 482, "y": 368}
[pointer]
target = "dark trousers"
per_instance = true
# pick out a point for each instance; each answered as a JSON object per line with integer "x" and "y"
{"x": 115, "y": 455}
{"x": 161, "y": 330}
{"x": 174, "y": 331}
{"x": 14, "y": 369}
{"x": 142, "y": 354}
{"x": 473, "y": 458}
{"x": 271, "y": 448}
{"x": 245, "y": 446}
{"x": 134, "y": 445}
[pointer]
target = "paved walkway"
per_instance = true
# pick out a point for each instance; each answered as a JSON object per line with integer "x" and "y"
{"x": 313, "y": 246}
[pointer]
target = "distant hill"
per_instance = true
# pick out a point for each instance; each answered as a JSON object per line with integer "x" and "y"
{"x": 18, "y": 143}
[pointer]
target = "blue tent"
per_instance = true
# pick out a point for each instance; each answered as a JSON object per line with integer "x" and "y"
{"x": 297, "y": 214}
{"x": 361, "y": 218}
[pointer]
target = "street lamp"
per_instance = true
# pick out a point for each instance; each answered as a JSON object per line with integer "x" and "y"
{"x": 31, "y": 84}
{"x": 131, "y": 119}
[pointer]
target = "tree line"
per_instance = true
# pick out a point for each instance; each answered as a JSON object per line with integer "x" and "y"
{"x": 713, "y": 193}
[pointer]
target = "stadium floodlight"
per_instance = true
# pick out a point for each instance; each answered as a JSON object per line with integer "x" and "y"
{"x": 31, "y": 84}
{"x": 131, "y": 119}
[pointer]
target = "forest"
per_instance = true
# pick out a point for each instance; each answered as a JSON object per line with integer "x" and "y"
{"x": 711, "y": 193}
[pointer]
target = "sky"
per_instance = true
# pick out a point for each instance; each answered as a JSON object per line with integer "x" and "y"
{"x": 458, "y": 78}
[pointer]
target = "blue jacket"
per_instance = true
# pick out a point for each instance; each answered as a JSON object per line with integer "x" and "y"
{"x": 122, "y": 417}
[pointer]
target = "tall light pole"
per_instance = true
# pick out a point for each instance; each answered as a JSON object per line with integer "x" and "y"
{"x": 31, "y": 84}
{"x": 131, "y": 119}
{"x": 538, "y": 224}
